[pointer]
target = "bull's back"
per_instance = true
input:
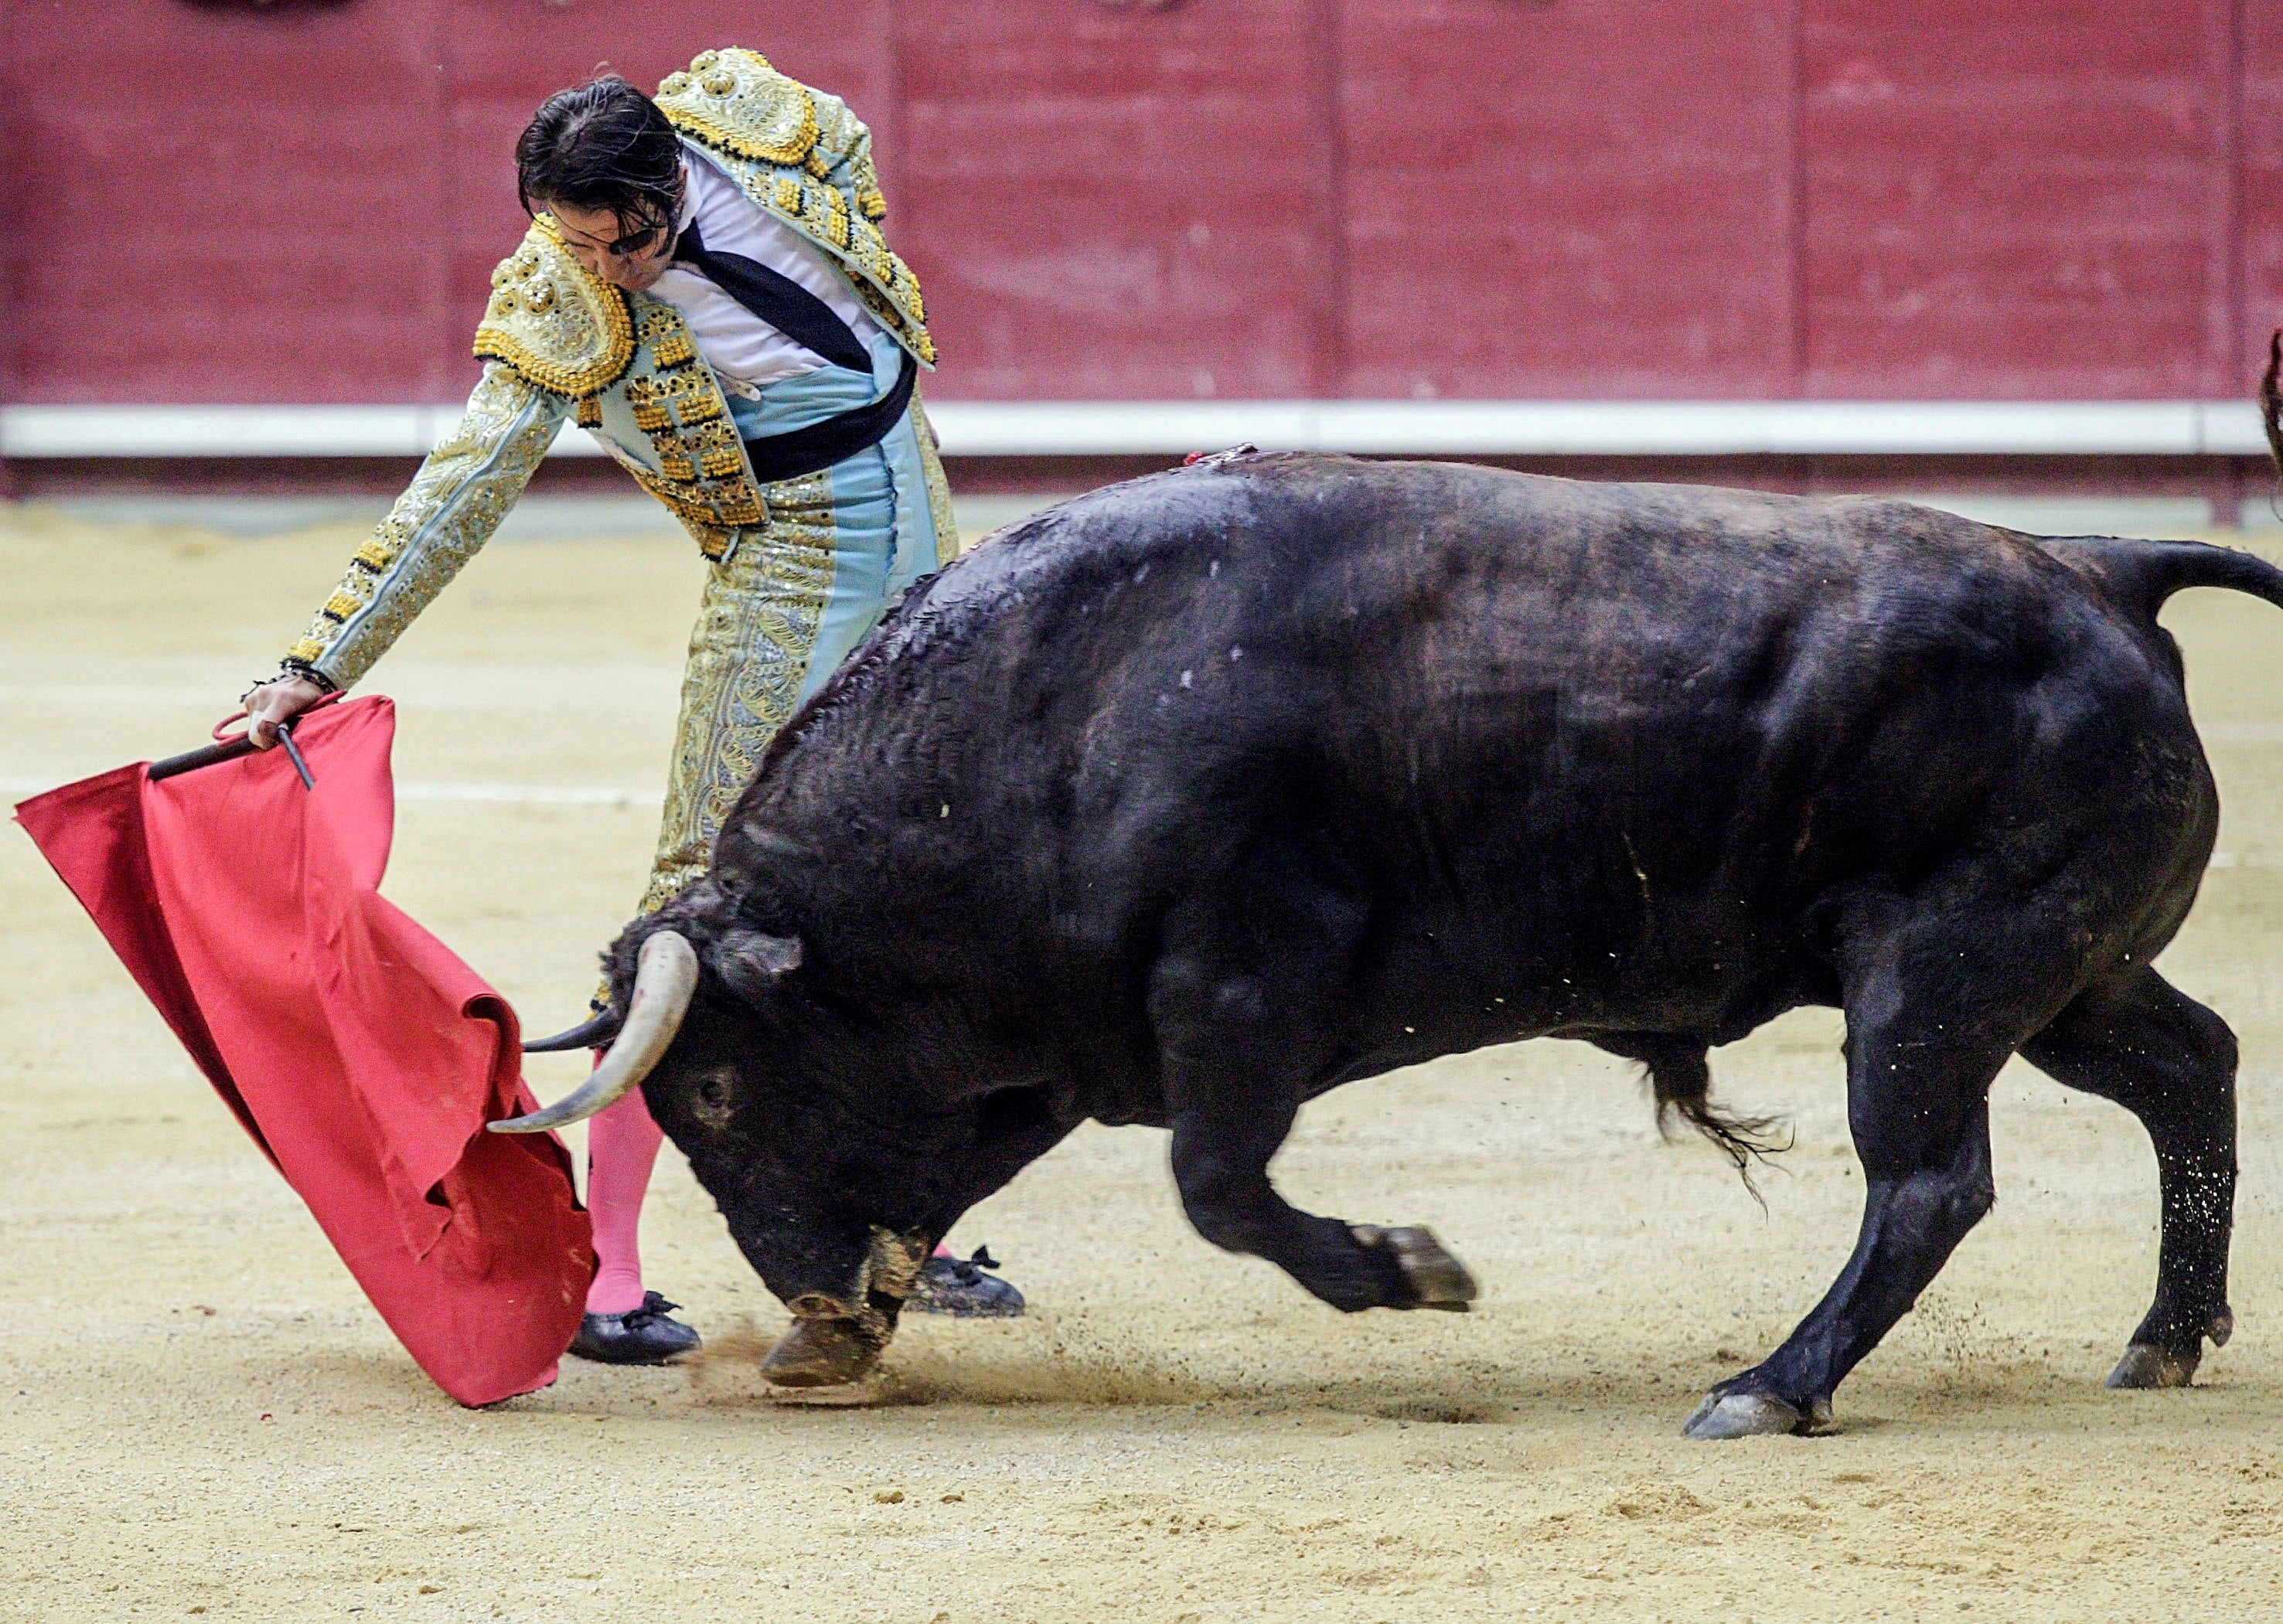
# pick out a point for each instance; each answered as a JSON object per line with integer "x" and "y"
{"x": 1411, "y": 632}
{"x": 1576, "y": 701}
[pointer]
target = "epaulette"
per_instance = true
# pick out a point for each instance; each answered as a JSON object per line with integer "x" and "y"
{"x": 563, "y": 329}
{"x": 734, "y": 101}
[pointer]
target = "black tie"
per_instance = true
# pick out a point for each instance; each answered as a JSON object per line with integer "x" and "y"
{"x": 777, "y": 300}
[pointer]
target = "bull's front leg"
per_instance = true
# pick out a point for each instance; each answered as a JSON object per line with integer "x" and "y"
{"x": 1236, "y": 1004}
{"x": 1221, "y": 1168}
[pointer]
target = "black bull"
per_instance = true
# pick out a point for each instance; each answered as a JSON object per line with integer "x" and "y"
{"x": 1189, "y": 800}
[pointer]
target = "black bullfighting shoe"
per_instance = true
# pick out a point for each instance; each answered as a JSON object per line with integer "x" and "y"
{"x": 646, "y": 1335}
{"x": 958, "y": 1286}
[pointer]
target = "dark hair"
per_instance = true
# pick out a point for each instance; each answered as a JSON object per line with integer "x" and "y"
{"x": 602, "y": 145}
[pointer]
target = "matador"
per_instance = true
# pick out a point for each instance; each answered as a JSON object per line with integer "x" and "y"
{"x": 705, "y": 289}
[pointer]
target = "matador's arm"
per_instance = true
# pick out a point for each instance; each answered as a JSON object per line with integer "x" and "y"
{"x": 449, "y": 511}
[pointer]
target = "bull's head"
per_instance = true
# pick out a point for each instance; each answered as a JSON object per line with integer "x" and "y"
{"x": 835, "y": 1173}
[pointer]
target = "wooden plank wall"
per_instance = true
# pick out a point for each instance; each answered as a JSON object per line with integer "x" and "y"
{"x": 1648, "y": 198}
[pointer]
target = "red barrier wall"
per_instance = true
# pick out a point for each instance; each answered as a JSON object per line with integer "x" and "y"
{"x": 1716, "y": 199}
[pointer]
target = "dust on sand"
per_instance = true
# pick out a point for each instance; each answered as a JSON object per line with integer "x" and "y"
{"x": 199, "y": 1414}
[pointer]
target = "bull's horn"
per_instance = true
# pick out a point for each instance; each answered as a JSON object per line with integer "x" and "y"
{"x": 595, "y": 1032}
{"x": 666, "y": 975}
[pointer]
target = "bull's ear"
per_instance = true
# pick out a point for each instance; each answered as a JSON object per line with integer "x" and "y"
{"x": 751, "y": 962}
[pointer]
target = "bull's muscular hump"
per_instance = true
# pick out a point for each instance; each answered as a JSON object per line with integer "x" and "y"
{"x": 1187, "y": 800}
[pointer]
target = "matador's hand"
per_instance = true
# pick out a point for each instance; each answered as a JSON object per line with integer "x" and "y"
{"x": 276, "y": 700}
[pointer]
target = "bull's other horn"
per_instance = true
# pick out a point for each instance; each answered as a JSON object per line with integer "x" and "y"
{"x": 595, "y": 1032}
{"x": 666, "y": 975}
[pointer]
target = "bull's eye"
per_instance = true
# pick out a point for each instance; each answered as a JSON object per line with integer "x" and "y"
{"x": 712, "y": 1107}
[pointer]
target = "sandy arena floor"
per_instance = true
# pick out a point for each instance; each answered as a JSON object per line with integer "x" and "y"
{"x": 199, "y": 1414}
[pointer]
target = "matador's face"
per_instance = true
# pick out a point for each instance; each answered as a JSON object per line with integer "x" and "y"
{"x": 626, "y": 251}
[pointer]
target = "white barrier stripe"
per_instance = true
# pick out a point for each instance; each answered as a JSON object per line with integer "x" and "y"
{"x": 1158, "y": 428}
{"x": 531, "y": 794}
{"x": 202, "y": 697}
{"x": 499, "y": 794}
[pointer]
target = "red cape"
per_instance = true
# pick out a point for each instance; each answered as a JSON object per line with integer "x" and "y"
{"x": 361, "y": 1054}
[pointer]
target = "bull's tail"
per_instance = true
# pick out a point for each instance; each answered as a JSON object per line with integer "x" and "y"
{"x": 1680, "y": 1081}
{"x": 1743, "y": 1139}
{"x": 2141, "y": 575}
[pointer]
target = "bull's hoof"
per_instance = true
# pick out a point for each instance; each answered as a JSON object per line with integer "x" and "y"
{"x": 1756, "y": 1415}
{"x": 2147, "y": 1366}
{"x": 820, "y": 1353}
{"x": 1436, "y": 1278}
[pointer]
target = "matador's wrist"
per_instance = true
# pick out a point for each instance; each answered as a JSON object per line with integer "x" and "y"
{"x": 302, "y": 669}
{"x": 307, "y": 673}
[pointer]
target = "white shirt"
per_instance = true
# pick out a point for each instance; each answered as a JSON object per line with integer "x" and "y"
{"x": 735, "y": 343}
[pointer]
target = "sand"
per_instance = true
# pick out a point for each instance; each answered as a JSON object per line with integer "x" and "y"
{"x": 199, "y": 1413}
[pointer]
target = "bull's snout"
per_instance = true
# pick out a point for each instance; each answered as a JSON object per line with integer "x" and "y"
{"x": 821, "y": 1352}
{"x": 836, "y": 1338}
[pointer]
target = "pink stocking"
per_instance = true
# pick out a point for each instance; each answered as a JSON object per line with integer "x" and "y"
{"x": 622, "y": 1143}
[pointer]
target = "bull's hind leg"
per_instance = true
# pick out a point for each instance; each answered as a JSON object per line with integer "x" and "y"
{"x": 2171, "y": 1063}
{"x": 1932, "y": 1013}
{"x": 1241, "y": 1000}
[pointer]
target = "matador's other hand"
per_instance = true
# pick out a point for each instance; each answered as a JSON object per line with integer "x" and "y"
{"x": 278, "y": 700}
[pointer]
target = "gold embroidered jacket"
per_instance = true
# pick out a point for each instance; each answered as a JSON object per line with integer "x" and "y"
{"x": 560, "y": 343}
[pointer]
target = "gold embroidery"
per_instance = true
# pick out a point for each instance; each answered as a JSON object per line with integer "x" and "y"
{"x": 787, "y": 193}
{"x": 565, "y": 330}
{"x": 675, "y": 350}
{"x": 676, "y": 465}
{"x": 873, "y": 205}
{"x": 871, "y": 253}
{"x": 696, "y": 407}
{"x": 720, "y": 464}
{"x": 388, "y": 539}
{"x": 454, "y": 504}
{"x": 938, "y": 488}
{"x": 749, "y": 658}
{"x": 588, "y": 412}
{"x": 881, "y": 305}
{"x": 650, "y": 418}
{"x": 723, "y": 507}
{"x": 738, "y": 102}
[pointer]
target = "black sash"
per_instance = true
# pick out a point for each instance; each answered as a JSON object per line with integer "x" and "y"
{"x": 810, "y": 322}
{"x": 836, "y": 440}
